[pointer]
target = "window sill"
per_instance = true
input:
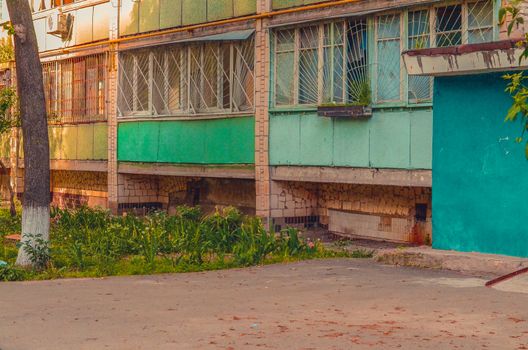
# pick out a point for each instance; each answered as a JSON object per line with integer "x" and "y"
{"x": 375, "y": 107}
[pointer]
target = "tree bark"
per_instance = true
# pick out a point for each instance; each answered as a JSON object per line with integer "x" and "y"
{"x": 30, "y": 88}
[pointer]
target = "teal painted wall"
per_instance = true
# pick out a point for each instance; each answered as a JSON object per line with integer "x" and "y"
{"x": 479, "y": 190}
{"x": 390, "y": 139}
{"x": 218, "y": 141}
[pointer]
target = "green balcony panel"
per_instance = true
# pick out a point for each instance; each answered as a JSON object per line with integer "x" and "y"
{"x": 316, "y": 140}
{"x": 129, "y": 17}
{"x": 285, "y": 139}
{"x": 182, "y": 142}
{"x": 390, "y": 140}
{"x": 421, "y": 139}
{"x": 281, "y": 4}
{"x": 244, "y": 7}
{"x": 69, "y": 142}
{"x": 222, "y": 141}
{"x": 351, "y": 143}
{"x": 149, "y": 15}
{"x": 219, "y": 9}
{"x": 194, "y": 11}
{"x": 85, "y": 142}
{"x": 100, "y": 137}
{"x": 55, "y": 137}
{"x": 170, "y": 13}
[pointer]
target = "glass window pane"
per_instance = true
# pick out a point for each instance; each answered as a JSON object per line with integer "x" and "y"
{"x": 480, "y": 14}
{"x": 284, "y": 79}
{"x": 418, "y": 27}
{"x": 388, "y": 71}
{"x": 285, "y": 40}
{"x": 480, "y": 36}
{"x": 419, "y": 89}
{"x": 389, "y": 26}
{"x": 448, "y": 25}
{"x": 308, "y": 65}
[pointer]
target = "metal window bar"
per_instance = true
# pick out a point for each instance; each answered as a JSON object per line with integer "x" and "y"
{"x": 75, "y": 89}
{"x": 187, "y": 79}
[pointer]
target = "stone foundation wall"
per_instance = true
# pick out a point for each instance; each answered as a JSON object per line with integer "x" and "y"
{"x": 140, "y": 193}
{"x": 75, "y": 188}
{"x": 382, "y": 212}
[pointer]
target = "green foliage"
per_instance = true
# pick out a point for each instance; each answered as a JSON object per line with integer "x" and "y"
{"x": 515, "y": 82}
{"x": 90, "y": 242}
{"x": 512, "y": 10}
{"x": 7, "y": 51}
{"x": 38, "y": 251}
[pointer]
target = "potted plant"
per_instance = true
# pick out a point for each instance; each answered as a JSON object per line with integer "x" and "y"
{"x": 359, "y": 109}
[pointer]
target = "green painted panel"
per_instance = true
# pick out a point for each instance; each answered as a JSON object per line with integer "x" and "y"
{"x": 149, "y": 15}
{"x": 219, "y": 9}
{"x": 182, "y": 142}
{"x": 351, "y": 143}
{"x": 317, "y": 135}
{"x": 421, "y": 139}
{"x": 129, "y": 17}
{"x": 390, "y": 135}
{"x": 194, "y": 11}
{"x": 285, "y": 139}
{"x": 479, "y": 194}
{"x": 232, "y": 142}
{"x": 69, "y": 142}
{"x": 383, "y": 141}
{"x": 170, "y": 13}
{"x": 85, "y": 141}
{"x": 127, "y": 133}
{"x": 244, "y": 7}
{"x": 280, "y": 4}
{"x": 100, "y": 141}
{"x": 55, "y": 139}
{"x": 222, "y": 141}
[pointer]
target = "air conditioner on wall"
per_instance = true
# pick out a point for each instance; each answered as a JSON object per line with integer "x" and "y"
{"x": 58, "y": 24}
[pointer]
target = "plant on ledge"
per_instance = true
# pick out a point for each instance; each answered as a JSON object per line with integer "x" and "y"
{"x": 359, "y": 107}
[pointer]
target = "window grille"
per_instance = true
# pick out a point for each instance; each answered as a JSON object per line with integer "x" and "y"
{"x": 187, "y": 79}
{"x": 323, "y": 63}
{"x": 75, "y": 89}
{"x": 332, "y": 62}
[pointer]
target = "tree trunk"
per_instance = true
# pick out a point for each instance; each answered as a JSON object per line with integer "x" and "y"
{"x": 36, "y": 199}
{"x": 12, "y": 208}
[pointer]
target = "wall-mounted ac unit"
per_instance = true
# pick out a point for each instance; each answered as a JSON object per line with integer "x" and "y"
{"x": 58, "y": 24}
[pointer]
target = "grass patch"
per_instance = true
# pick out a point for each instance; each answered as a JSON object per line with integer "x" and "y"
{"x": 92, "y": 243}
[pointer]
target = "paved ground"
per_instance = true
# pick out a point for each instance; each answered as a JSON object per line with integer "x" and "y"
{"x": 331, "y": 304}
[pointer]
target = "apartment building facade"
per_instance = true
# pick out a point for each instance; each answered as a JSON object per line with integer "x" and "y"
{"x": 301, "y": 112}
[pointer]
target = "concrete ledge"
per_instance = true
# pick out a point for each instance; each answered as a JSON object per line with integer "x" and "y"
{"x": 362, "y": 176}
{"x": 220, "y": 171}
{"x": 473, "y": 263}
{"x": 75, "y": 165}
{"x": 464, "y": 59}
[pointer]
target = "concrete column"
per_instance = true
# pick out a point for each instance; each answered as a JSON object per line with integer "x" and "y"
{"x": 262, "y": 77}
{"x": 111, "y": 107}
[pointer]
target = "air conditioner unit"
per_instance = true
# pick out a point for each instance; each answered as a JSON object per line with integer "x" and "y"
{"x": 58, "y": 24}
